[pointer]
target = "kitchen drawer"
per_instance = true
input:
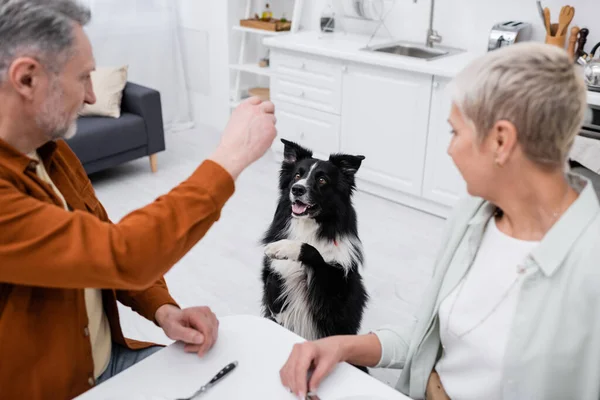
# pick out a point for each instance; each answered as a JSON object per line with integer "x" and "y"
{"x": 315, "y": 130}
{"x": 306, "y": 80}
{"x": 318, "y": 98}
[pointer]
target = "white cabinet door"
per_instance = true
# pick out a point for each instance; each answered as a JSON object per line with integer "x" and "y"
{"x": 315, "y": 130}
{"x": 384, "y": 117}
{"x": 442, "y": 183}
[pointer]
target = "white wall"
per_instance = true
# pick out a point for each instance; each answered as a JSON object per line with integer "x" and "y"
{"x": 204, "y": 31}
{"x": 467, "y": 23}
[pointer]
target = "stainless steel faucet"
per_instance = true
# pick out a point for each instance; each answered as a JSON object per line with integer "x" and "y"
{"x": 432, "y": 35}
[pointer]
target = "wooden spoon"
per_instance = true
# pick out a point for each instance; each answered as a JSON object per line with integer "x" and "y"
{"x": 547, "y": 20}
{"x": 572, "y": 42}
{"x": 564, "y": 19}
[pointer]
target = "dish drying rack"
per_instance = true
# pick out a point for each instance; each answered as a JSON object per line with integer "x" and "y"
{"x": 370, "y": 11}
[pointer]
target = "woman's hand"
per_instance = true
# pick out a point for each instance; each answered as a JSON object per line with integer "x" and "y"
{"x": 322, "y": 354}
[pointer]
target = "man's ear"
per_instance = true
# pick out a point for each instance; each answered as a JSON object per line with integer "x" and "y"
{"x": 24, "y": 74}
{"x": 348, "y": 164}
{"x": 293, "y": 152}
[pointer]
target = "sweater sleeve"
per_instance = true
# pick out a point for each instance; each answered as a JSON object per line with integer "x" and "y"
{"x": 44, "y": 245}
{"x": 395, "y": 342}
{"x": 146, "y": 302}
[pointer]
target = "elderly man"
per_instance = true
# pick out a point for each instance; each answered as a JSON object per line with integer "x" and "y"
{"x": 63, "y": 264}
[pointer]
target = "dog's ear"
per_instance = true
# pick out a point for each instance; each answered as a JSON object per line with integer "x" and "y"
{"x": 348, "y": 164}
{"x": 293, "y": 152}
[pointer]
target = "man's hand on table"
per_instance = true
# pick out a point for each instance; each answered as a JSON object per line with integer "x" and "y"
{"x": 197, "y": 327}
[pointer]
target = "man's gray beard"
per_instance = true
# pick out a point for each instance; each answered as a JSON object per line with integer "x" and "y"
{"x": 66, "y": 134}
{"x": 51, "y": 120}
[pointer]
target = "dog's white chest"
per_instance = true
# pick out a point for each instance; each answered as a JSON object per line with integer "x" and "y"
{"x": 296, "y": 313}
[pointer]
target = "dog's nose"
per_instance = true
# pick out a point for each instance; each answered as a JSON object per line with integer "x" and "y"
{"x": 298, "y": 190}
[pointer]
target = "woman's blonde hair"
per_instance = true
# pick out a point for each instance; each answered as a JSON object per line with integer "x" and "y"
{"x": 534, "y": 86}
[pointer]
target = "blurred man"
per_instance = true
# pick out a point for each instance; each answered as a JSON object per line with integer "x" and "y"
{"x": 63, "y": 264}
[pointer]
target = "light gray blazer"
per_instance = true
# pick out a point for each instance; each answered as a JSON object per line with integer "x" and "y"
{"x": 553, "y": 349}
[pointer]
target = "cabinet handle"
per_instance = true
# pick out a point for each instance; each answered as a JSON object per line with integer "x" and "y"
{"x": 436, "y": 84}
{"x": 299, "y": 93}
{"x": 301, "y": 135}
{"x": 345, "y": 68}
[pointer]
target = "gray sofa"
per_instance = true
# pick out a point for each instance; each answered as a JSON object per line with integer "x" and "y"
{"x": 103, "y": 142}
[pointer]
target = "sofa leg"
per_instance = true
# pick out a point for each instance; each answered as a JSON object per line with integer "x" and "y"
{"x": 154, "y": 162}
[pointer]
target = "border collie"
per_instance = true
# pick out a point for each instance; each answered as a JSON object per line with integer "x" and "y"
{"x": 311, "y": 279}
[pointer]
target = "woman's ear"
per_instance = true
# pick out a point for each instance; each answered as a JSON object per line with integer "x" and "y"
{"x": 503, "y": 141}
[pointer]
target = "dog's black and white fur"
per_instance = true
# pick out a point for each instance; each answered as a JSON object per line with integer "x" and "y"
{"x": 312, "y": 283}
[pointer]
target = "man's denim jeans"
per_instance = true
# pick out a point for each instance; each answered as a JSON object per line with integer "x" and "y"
{"x": 122, "y": 358}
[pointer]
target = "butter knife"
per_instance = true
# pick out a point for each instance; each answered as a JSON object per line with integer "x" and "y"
{"x": 220, "y": 375}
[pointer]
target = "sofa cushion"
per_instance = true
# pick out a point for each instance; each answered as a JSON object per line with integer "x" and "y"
{"x": 108, "y": 84}
{"x": 99, "y": 137}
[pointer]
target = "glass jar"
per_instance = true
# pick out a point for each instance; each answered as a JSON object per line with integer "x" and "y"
{"x": 328, "y": 19}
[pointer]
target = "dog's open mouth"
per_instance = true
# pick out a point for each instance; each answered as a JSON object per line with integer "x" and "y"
{"x": 299, "y": 208}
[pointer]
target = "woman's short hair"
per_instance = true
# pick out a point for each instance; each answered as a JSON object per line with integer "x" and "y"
{"x": 536, "y": 87}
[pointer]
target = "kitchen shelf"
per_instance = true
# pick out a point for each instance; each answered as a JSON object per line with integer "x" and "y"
{"x": 247, "y": 36}
{"x": 258, "y": 31}
{"x": 251, "y": 68}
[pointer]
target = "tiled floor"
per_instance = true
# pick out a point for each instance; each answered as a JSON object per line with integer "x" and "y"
{"x": 223, "y": 270}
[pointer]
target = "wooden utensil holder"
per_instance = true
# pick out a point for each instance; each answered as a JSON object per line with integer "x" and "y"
{"x": 556, "y": 40}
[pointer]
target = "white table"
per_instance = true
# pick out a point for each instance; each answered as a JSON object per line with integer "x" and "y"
{"x": 260, "y": 346}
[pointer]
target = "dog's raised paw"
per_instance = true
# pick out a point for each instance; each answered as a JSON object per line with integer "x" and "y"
{"x": 284, "y": 250}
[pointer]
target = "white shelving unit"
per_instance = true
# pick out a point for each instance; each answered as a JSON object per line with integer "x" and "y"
{"x": 256, "y": 31}
{"x": 243, "y": 66}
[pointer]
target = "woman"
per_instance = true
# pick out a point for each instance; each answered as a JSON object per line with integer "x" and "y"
{"x": 513, "y": 311}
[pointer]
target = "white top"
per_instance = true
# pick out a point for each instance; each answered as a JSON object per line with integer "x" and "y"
{"x": 476, "y": 317}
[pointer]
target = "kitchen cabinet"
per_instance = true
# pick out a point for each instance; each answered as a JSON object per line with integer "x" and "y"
{"x": 315, "y": 130}
{"x": 306, "y": 81}
{"x": 442, "y": 183}
{"x": 396, "y": 118}
{"x": 385, "y": 117}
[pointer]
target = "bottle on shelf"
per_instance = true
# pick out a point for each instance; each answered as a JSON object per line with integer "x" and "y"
{"x": 267, "y": 15}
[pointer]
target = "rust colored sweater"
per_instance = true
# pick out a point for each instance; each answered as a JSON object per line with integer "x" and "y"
{"x": 48, "y": 256}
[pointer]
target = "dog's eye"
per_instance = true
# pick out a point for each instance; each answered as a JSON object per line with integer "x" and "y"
{"x": 322, "y": 181}
{"x": 297, "y": 177}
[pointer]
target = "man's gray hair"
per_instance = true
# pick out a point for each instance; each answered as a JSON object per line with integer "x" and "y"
{"x": 42, "y": 29}
{"x": 533, "y": 85}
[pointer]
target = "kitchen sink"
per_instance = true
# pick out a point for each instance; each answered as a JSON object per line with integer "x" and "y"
{"x": 414, "y": 50}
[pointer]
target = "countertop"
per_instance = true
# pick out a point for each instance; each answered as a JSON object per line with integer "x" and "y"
{"x": 346, "y": 46}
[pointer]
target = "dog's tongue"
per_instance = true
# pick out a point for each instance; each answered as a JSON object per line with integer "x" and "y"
{"x": 299, "y": 208}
